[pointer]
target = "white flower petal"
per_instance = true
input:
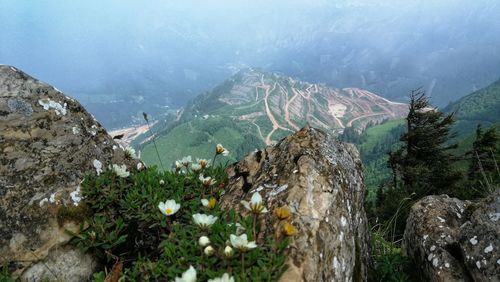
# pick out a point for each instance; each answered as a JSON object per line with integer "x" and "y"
{"x": 246, "y": 205}
{"x": 251, "y": 245}
{"x": 188, "y": 276}
{"x": 256, "y": 198}
{"x": 204, "y": 202}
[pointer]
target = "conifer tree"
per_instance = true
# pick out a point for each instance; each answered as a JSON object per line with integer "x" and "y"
{"x": 483, "y": 170}
{"x": 423, "y": 165}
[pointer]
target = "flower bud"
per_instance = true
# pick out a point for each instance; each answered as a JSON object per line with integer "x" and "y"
{"x": 203, "y": 241}
{"x": 140, "y": 166}
{"x": 228, "y": 251}
{"x": 209, "y": 251}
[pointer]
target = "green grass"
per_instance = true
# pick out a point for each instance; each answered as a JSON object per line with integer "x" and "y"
{"x": 199, "y": 136}
{"x": 191, "y": 138}
{"x": 377, "y": 133}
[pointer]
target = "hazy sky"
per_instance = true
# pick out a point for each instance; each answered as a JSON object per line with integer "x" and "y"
{"x": 165, "y": 48}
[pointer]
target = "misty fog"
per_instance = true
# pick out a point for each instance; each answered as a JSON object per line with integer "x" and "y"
{"x": 120, "y": 58}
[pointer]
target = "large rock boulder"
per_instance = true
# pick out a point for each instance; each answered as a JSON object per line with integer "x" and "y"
{"x": 320, "y": 179}
{"x": 48, "y": 142}
{"x": 453, "y": 240}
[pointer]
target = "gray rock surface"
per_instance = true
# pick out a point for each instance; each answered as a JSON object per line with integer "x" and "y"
{"x": 56, "y": 265}
{"x": 48, "y": 142}
{"x": 454, "y": 240}
{"x": 320, "y": 179}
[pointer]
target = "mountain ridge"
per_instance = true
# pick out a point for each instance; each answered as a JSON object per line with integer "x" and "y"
{"x": 254, "y": 108}
{"x": 289, "y": 103}
{"x": 479, "y": 107}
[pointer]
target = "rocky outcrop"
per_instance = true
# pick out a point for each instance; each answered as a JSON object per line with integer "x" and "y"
{"x": 320, "y": 179}
{"x": 48, "y": 142}
{"x": 453, "y": 240}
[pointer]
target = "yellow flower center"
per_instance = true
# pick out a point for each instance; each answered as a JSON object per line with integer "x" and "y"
{"x": 168, "y": 210}
{"x": 256, "y": 208}
{"x": 219, "y": 150}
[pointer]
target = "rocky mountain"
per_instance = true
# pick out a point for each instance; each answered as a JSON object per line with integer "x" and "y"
{"x": 256, "y": 108}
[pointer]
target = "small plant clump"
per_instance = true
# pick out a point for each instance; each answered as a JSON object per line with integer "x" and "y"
{"x": 168, "y": 226}
{"x": 389, "y": 263}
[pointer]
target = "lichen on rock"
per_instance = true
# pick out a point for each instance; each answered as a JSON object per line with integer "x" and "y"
{"x": 320, "y": 179}
{"x": 453, "y": 240}
{"x": 42, "y": 162}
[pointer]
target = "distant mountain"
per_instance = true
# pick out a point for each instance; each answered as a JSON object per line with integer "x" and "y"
{"x": 147, "y": 57}
{"x": 480, "y": 107}
{"x": 256, "y": 108}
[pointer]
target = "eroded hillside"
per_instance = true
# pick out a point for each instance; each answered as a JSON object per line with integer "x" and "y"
{"x": 278, "y": 105}
{"x": 255, "y": 108}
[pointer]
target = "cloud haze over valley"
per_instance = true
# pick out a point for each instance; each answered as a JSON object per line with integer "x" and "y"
{"x": 120, "y": 58}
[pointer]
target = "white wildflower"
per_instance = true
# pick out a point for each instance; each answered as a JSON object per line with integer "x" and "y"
{"x": 188, "y": 275}
{"x": 178, "y": 165}
{"x": 207, "y": 181}
{"x": 204, "y": 221}
{"x": 203, "y": 163}
{"x": 130, "y": 152}
{"x": 241, "y": 242}
{"x": 186, "y": 161}
{"x": 169, "y": 207}
{"x": 224, "y": 278}
{"x": 121, "y": 170}
{"x": 255, "y": 205}
{"x": 196, "y": 167}
{"x": 219, "y": 149}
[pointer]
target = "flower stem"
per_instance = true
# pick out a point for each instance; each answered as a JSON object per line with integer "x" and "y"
{"x": 243, "y": 264}
{"x": 154, "y": 141}
{"x": 255, "y": 227}
{"x": 213, "y": 161}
